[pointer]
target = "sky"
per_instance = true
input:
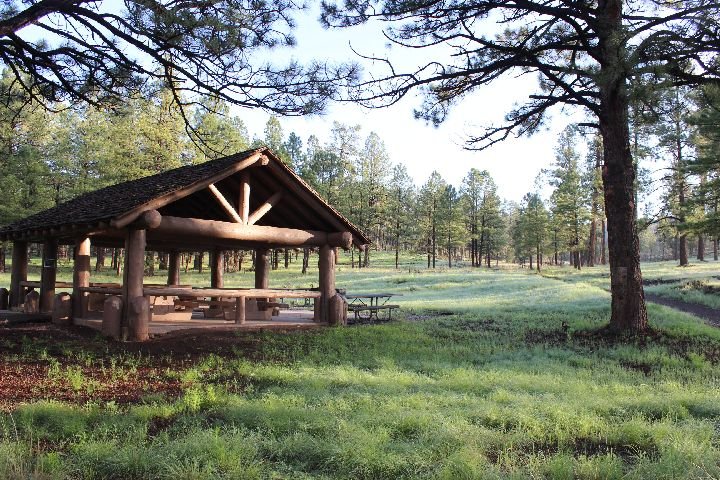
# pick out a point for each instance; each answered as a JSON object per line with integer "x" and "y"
{"x": 514, "y": 164}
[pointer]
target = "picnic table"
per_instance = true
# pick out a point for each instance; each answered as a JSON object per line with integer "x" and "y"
{"x": 366, "y": 306}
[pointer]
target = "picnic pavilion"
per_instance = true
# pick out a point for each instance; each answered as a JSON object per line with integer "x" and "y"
{"x": 247, "y": 201}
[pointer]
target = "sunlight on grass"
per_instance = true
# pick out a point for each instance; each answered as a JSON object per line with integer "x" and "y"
{"x": 478, "y": 380}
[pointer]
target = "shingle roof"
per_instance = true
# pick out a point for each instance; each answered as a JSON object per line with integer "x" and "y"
{"x": 111, "y": 202}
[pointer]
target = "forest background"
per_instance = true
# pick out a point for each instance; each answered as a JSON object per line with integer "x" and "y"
{"x": 49, "y": 157}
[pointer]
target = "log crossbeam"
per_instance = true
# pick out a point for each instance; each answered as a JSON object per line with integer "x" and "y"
{"x": 224, "y": 204}
{"x": 264, "y": 208}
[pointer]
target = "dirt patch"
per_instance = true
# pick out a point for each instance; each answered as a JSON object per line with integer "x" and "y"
{"x": 546, "y": 337}
{"x": 22, "y": 382}
{"x": 712, "y": 315}
{"x": 658, "y": 281}
{"x": 77, "y": 365}
{"x": 157, "y": 425}
{"x": 638, "y": 367}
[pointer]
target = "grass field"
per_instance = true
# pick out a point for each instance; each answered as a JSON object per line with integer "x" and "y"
{"x": 477, "y": 380}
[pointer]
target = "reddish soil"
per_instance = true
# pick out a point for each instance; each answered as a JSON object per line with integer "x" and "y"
{"x": 73, "y": 364}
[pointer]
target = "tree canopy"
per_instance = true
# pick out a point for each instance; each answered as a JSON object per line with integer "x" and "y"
{"x": 100, "y": 51}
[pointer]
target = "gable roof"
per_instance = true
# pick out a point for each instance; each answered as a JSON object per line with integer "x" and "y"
{"x": 185, "y": 189}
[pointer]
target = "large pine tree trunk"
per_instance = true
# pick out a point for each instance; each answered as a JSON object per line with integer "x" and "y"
{"x": 100, "y": 259}
{"x": 603, "y": 247}
{"x": 618, "y": 175}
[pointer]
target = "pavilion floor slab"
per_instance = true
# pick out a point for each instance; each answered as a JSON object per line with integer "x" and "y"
{"x": 287, "y": 320}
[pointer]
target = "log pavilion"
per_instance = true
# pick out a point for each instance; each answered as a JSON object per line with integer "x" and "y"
{"x": 250, "y": 201}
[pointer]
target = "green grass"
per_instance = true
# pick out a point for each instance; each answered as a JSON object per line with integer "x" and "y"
{"x": 478, "y": 380}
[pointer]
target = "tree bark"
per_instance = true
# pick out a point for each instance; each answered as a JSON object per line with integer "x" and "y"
{"x": 701, "y": 248}
{"x": 100, "y": 258}
{"x": 683, "y": 250}
{"x": 603, "y": 247}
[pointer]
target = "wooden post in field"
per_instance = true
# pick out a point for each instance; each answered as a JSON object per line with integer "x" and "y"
{"x": 326, "y": 264}
{"x": 132, "y": 279}
{"x": 174, "y": 268}
{"x": 18, "y": 273}
{"x": 48, "y": 275}
{"x": 81, "y": 276}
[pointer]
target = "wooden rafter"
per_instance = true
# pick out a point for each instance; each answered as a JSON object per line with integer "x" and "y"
{"x": 264, "y": 208}
{"x": 226, "y": 206}
{"x": 127, "y": 217}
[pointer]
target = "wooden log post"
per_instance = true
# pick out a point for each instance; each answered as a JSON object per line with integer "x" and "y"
{"x": 132, "y": 279}
{"x": 48, "y": 275}
{"x": 174, "y": 268}
{"x": 240, "y": 310}
{"x": 217, "y": 268}
{"x": 244, "y": 200}
{"x": 262, "y": 268}
{"x": 112, "y": 317}
{"x": 326, "y": 265}
{"x": 217, "y": 271}
{"x": 81, "y": 276}
{"x": 18, "y": 273}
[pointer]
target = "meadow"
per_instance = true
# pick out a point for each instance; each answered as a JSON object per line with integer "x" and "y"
{"x": 477, "y": 379}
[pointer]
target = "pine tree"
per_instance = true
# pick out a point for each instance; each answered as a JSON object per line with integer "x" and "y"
{"x": 570, "y": 198}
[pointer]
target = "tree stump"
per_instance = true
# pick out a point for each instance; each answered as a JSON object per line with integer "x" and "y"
{"x": 32, "y": 302}
{"x": 112, "y": 317}
{"x": 62, "y": 309}
{"x": 139, "y": 319}
{"x": 337, "y": 311}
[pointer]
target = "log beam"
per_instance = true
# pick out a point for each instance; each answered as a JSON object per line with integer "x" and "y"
{"x": 264, "y": 208}
{"x": 282, "y": 237}
{"x": 224, "y": 204}
{"x": 48, "y": 275}
{"x": 18, "y": 273}
{"x": 81, "y": 276}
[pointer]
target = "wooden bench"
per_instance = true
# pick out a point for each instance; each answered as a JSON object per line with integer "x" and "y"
{"x": 368, "y": 312}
